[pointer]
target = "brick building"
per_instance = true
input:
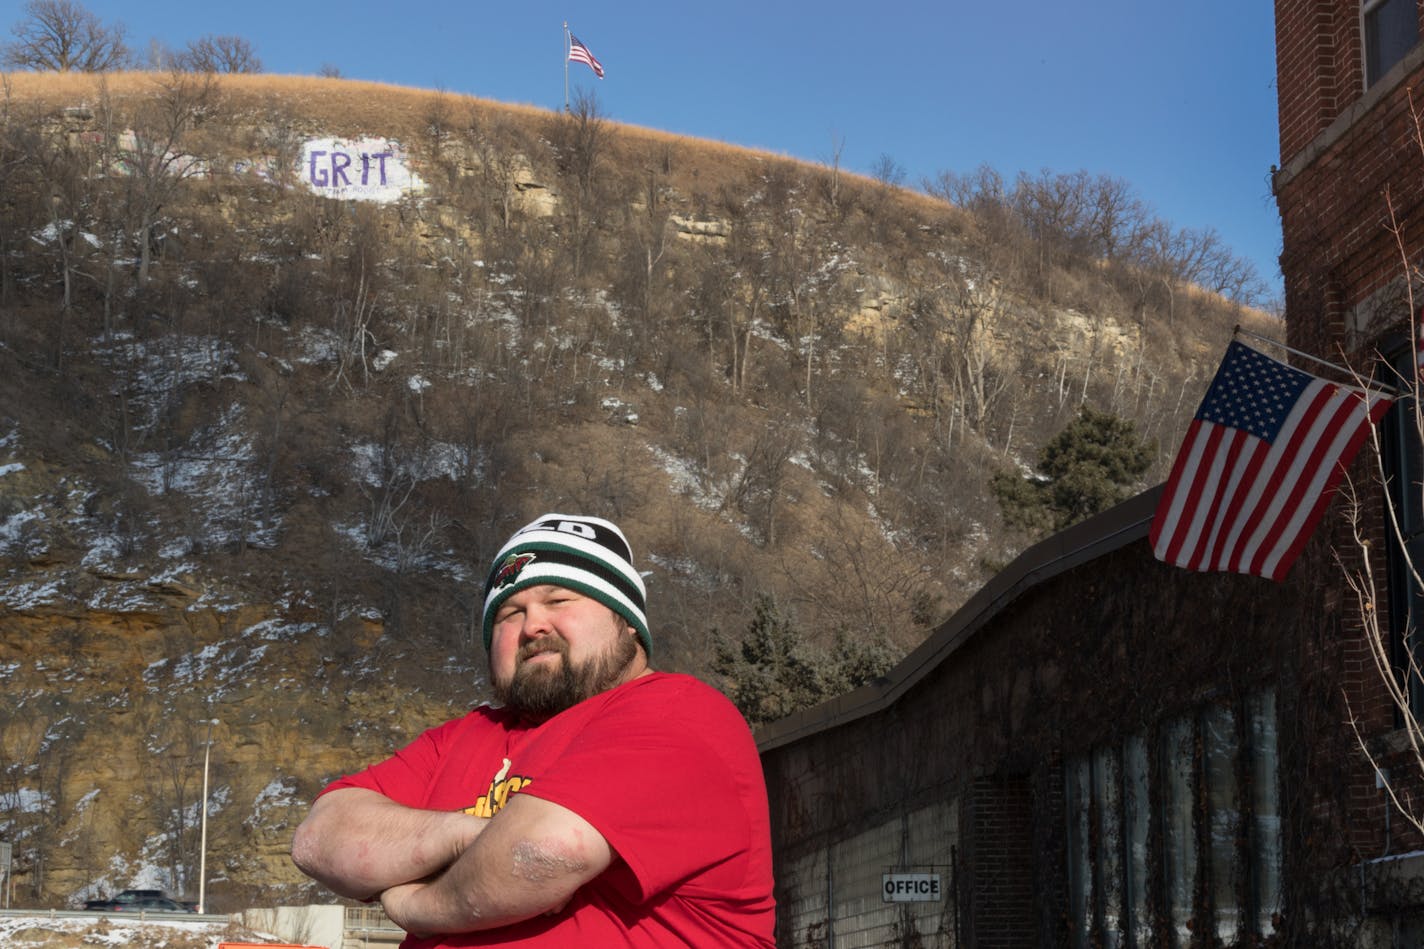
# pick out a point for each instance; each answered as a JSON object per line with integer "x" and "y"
{"x": 1101, "y": 750}
{"x": 1350, "y": 190}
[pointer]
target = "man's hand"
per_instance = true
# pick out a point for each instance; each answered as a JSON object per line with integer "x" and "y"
{"x": 360, "y": 843}
{"x": 396, "y": 902}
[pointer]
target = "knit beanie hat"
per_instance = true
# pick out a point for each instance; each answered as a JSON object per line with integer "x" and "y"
{"x": 585, "y": 554}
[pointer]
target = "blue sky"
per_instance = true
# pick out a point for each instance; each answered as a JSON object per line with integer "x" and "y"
{"x": 1176, "y": 99}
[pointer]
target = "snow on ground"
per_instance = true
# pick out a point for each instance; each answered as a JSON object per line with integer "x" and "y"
{"x": 375, "y": 464}
{"x": 691, "y": 571}
{"x": 40, "y": 931}
{"x": 683, "y": 475}
{"x": 25, "y": 801}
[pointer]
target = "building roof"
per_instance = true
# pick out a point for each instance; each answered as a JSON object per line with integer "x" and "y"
{"x": 1085, "y": 541}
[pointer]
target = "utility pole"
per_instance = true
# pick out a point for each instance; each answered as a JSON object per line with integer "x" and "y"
{"x": 203, "y": 836}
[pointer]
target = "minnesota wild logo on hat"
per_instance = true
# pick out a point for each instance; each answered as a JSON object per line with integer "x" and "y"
{"x": 509, "y": 570}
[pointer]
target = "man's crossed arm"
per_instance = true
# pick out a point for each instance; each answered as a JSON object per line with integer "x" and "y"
{"x": 438, "y": 871}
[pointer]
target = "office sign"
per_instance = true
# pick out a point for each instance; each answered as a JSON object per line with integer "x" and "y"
{"x": 910, "y": 888}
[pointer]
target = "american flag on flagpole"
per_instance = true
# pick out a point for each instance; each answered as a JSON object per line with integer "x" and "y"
{"x": 579, "y": 53}
{"x": 1261, "y": 460}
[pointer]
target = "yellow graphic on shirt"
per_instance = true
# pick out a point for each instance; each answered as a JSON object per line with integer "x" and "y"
{"x": 501, "y": 787}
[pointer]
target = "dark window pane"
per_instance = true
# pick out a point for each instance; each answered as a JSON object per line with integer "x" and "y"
{"x": 1077, "y": 789}
{"x": 1179, "y": 837}
{"x": 1219, "y": 748}
{"x": 1403, "y": 473}
{"x": 1265, "y": 812}
{"x": 1135, "y": 829}
{"x": 1106, "y": 781}
{"x": 1391, "y": 30}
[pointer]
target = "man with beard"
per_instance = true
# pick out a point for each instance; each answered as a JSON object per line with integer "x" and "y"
{"x": 601, "y": 804}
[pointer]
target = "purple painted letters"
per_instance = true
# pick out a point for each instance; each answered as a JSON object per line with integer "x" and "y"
{"x": 324, "y": 174}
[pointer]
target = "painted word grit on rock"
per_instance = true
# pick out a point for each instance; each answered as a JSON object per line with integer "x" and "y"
{"x": 364, "y": 169}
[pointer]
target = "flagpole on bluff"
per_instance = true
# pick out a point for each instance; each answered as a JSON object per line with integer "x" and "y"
{"x": 566, "y": 65}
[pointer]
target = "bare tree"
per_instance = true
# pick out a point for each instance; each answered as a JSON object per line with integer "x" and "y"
{"x": 888, "y": 171}
{"x": 37, "y": 738}
{"x": 804, "y": 267}
{"x": 983, "y": 369}
{"x": 64, "y": 36}
{"x": 1113, "y": 214}
{"x": 582, "y": 138}
{"x": 170, "y": 736}
{"x": 160, "y": 57}
{"x": 758, "y": 488}
{"x": 1396, "y": 652}
{"x": 499, "y": 163}
{"x": 650, "y": 232}
{"x": 1079, "y": 217}
{"x": 12, "y": 159}
{"x": 220, "y": 54}
{"x": 440, "y": 128}
{"x": 735, "y": 291}
{"x": 157, "y": 163}
{"x": 986, "y": 196}
{"x": 58, "y": 167}
{"x": 834, "y": 187}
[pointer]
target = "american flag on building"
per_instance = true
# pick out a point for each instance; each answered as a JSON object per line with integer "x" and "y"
{"x": 1260, "y": 463}
{"x": 579, "y": 53}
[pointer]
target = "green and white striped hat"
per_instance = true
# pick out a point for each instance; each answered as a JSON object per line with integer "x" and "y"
{"x": 585, "y": 554}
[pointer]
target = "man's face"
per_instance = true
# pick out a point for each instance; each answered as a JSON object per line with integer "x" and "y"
{"x": 551, "y": 648}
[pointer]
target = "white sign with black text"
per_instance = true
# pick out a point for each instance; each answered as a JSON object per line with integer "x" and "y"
{"x": 910, "y": 887}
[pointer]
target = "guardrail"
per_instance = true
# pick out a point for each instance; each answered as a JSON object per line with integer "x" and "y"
{"x": 369, "y": 917}
{"x": 368, "y": 927}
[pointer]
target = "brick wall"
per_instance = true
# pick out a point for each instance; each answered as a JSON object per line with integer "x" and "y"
{"x": 1309, "y": 67}
{"x": 1351, "y": 198}
{"x": 1350, "y": 162}
{"x": 1001, "y": 905}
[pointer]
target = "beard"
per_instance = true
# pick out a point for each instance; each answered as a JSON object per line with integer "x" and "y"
{"x": 542, "y": 690}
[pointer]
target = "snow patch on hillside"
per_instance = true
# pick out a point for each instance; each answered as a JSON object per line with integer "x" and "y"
{"x": 682, "y": 472}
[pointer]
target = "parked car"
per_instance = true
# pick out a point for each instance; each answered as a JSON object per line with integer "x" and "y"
{"x": 134, "y": 901}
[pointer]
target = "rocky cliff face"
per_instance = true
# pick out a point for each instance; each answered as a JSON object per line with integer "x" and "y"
{"x": 106, "y": 730}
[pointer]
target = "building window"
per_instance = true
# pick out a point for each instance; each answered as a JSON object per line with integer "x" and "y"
{"x": 1179, "y": 850}
{"x": 1220, "y": 754}
{"x": 1404, "y": 486}
{"x": 1136, "y": 823}
{"x": 1265, "y": 842}
{"x": 1107, "y": 791}
{"x": 1096, "y": 872}
{"x": 1078, "y": 781}
{"x": 1217, "y": 807}
{"x": 1391, "y": 29}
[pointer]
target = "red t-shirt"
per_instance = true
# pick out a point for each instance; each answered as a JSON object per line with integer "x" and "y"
{"x": 664, "y": 767}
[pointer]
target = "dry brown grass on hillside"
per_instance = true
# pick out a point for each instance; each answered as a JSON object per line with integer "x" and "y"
{"x": 355, "y": 107}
